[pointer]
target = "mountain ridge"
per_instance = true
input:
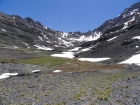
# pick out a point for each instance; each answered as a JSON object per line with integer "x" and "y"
{"x": 26, "y": 35}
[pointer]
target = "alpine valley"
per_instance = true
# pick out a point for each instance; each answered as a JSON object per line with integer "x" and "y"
{"x": 42, "y": 66}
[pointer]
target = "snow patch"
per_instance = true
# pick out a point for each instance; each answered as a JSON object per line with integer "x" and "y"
{"x": 112, "y": 38}
{"x": 6, "y": 75}
{"x": 49, "y": 41}
{"x": 85, "y": 49}
{"x": 75, "y": 49}
{"x": 95, "y": 36}
{"x": 43, "y": 47}
{"x": 26, "y": 45}
{"x": 64, "y": 34}
{"x": 134, "y": 11}
{"x": 56, "y": 46}
{"x": 134, "y": 59}
{"x": 93, "y": 59}
{"x": 45, "y": 37}
{"x": 36, "y": 71}
{"x": 15, "y": 46}
{"x": 64, "y": 42}
{"x": 126, "y": 23}
{"x": 3, "y": 30}
{"x": 137, "y": 46}
{"x": 137, "y": 37}
{"x": 45, "y": 27}
{"x": 57, "y": 71}
{"x": 64, "y": 55}
{"x": 40, "y": 38}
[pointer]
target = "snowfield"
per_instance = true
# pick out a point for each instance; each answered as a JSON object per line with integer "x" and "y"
{"x": 6, "y": 75}
{"x": 93, "y": 59}
{"x": 134, "y": 59}
{"x": 43, "y": 47}
{"x": 75, "y": 49}
{"x": 64, "y": 55}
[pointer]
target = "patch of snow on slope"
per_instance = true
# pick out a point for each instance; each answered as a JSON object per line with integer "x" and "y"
{"x": 75, "y": 49}
{"x": 3, "y": 30}
{"x": 134, "y": 59}
{"x": 112, "y": 38}
{"x": 40, "y": 38}
{"x": 137, "y": 37}
{"x": 137, "y": 46}
{"x": 134, "y": 11}
{"x": 126, "y": 23}
{"x": 95, "y": 36}
{"x": 43, "y": 47}
{"x": 45, "y": 37}
{"x": 36, "y": 71}
{"x": 56, "y": 46}
{"x": 15, "y": 46}
{"x": 6, "y": 75}
{"x": 93, "y": 59}
{"x": 57, "y": 71}
{"x": 49, "y": 41}
{"x": 85, "y": 49}
{"x": 64, "y": 34}
{"x": 45, "y": 27}
{"x": 64, "y": 55}
{"x": 64, "y": 42}
{"x": 26, "y": 45}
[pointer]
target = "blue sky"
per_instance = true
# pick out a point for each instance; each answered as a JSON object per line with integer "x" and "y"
{"x": 67, "y": 15}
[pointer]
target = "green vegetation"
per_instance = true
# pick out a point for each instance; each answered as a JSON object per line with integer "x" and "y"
{"x": 44, "y": 61}
{"x": 60, "y": 103}
{"x": 77, "y": 96}
{"x": 127, "y": 96}
{"x": 41, "y": 61}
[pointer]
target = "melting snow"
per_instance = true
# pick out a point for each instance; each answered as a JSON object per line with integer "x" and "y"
{"x": 134, "y": 59}
{"x": 75, "y": 49}
{"x": 134, "y": 11}
{"x": 45, "y": 37}
{"x": 112, "y": 38}
{"x": 64, "y": 55}
{"x": 56, "y": 46}
{"x": 6, "y": 75}
{"x": 49, "y": 41}
{"x": 43, "y": 47}
{"x": 26, "y": 45}
{"x": 3, "y": 30}
{"x": 126, "y": 23}
{"x": 15, "y": 46}
{"x": 57, "y": 71}
{"x": 67, "y": 44}
{"x": 85, "y": 49}
{"x": 45, "y": 27}
{"x": 95, "y": 36}
{"x": 36, "y": 71}
{"x": 93, "y": 59}
{"x": 137, "y": 37}
{"x": 40, "y": 38}
{"x": 64, "y": 34}
{"x": 137, "y": 46}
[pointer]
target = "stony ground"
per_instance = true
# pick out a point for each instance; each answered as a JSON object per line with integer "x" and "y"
{"x": 98, "y": 87}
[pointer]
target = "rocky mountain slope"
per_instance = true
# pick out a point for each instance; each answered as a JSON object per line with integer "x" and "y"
{"x": 119, "y": 40}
